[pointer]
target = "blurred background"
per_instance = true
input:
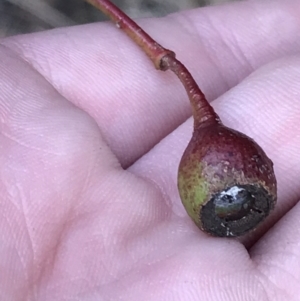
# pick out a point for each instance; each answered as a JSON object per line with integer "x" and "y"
{"x": 23, "y": 16}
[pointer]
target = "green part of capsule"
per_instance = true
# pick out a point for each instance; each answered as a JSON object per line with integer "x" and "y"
{"x": 193, "y": 190}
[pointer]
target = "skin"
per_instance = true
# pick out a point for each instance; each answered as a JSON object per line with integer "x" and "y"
{"x": 89, "y": 207}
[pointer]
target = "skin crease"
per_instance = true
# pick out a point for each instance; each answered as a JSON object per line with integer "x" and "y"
{"x": 75, "y": 109}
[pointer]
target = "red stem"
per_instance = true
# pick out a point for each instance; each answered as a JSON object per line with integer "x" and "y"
{"x": 163, "y": 59}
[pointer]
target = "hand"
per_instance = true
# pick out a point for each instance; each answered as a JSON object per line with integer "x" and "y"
{"x": 91, "y": 137}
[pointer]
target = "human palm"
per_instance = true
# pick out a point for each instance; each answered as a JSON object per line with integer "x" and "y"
{"x": 91, "y": 137}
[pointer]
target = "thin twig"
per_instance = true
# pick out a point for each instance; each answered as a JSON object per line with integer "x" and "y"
{"x": 163, "y": 59}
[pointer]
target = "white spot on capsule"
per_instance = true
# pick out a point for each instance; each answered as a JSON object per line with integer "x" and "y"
{"x": 233, "y": 191}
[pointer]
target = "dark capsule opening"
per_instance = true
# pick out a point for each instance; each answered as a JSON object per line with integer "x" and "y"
{"x": 234, "y": 203}
{"x": 236, "y": 210}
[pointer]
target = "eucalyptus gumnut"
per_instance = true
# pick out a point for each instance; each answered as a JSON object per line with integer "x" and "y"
{"x": 226, "y": 181}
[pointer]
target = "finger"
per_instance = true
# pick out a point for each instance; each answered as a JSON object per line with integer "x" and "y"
{"x": 266, "y": 107}
{"x": 49, "y": 152}
{"x": 277, "y": 255}
{"x": 100, "y": 70}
